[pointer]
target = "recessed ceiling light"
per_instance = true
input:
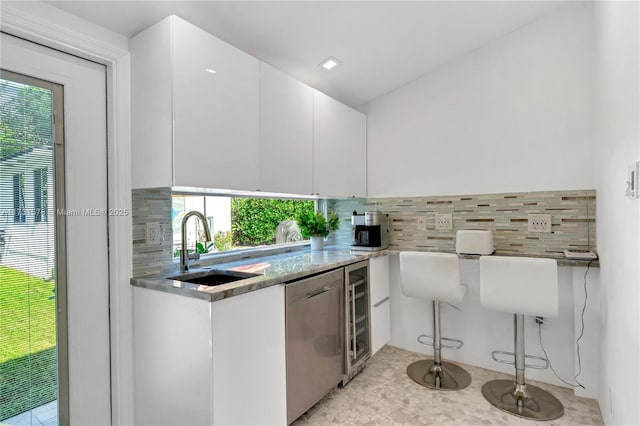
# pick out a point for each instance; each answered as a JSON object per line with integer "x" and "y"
{"x": 330, "y": 63}
{"x": 211, "y": 70}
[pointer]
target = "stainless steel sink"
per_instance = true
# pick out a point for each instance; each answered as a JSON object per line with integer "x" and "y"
{"x": 212, "y": 277}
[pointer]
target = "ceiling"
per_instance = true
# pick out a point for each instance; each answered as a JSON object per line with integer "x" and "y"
{"x": 382, "y": 44}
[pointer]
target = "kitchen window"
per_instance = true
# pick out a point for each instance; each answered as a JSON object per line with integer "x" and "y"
{"x": 238, "y": 223}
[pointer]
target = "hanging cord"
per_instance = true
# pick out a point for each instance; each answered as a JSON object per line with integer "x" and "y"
{"x": 584, "y": 307}
{"x": 586, "y": 203}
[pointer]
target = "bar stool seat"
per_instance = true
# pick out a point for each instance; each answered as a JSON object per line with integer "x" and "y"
{"x": 436, "y": 277}
{"x": 522, "y": 286}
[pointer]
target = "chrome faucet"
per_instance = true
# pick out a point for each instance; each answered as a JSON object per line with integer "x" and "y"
{"x": 184, "y": 254}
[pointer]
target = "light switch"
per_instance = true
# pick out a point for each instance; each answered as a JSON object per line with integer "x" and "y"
{"x": 632, "y": 180}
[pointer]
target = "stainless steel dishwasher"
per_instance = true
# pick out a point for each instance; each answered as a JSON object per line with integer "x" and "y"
{"x": 315, "y": 339}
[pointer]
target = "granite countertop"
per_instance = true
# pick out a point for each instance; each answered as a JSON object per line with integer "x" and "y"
{"x": 273, "y": 270}
{"x": 562, "y": 261}
{"x": 276, "y": 269}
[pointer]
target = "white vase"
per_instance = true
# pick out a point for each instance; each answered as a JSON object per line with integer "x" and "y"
{"x": 317, "y": 243}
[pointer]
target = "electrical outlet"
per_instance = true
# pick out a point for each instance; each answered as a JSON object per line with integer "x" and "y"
{"x": 153, "y": 233}
{"x": 444, "y": 221}
{"x": 540, "y": 223}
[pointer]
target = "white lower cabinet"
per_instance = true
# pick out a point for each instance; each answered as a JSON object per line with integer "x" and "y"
{"x": 380, "y": 325}
{"x": 210, "y": 363}
{"x": 380, "y": 302}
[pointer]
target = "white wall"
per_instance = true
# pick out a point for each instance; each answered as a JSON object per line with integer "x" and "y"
{"x": 483, "y": 330}
{"x": 618, "y": 218}
{"x": 514, "y": 115}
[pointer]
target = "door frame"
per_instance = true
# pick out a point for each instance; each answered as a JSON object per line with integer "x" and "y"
{"x": 48, "y": 26}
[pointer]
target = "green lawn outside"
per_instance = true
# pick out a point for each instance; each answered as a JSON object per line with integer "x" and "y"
{"x": 27, "y": 342}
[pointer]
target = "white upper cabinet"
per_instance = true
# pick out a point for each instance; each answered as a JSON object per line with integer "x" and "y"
{"x": 195, "y": 110}
{"x": 151, "y": 107}
{"x": 207, "y": 115}
{"x": 286, "y": 133}
{"x": 339, "y": 148}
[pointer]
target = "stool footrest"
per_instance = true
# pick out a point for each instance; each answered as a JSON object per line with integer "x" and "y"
{"x": 429, "y": 342}
{"x": 534, "y": 366}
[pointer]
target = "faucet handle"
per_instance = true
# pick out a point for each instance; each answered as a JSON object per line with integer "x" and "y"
{"x": 191, "y": 256}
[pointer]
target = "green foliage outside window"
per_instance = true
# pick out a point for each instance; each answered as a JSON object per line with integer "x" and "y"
{"x": 25, "y": 118}
{"x": 254, "y": 220}
{"x": 223, "y": 241}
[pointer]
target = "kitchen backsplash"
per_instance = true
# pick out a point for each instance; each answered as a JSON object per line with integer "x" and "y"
{"x": 412, "y": 223}
{"x": 148, "y": 206}
{"x": 412, "y": 220}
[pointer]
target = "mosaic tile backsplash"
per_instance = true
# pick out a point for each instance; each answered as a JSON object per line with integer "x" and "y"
{"x": 151, "y": 205}
{"x": 412, "y": 220}
{"x": 412, "y": 223}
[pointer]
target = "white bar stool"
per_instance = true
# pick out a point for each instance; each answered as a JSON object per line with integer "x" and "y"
{"x": 434, "y": 276}
{"x": 523, "y": 286}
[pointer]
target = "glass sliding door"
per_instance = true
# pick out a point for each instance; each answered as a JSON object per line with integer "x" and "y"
{"x": 33, "y": 384}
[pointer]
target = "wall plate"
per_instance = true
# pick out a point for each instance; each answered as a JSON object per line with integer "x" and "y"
{"x": 153, "y": 233}
{"x": 539, "y": 223}
{"x": 444, "y": 221}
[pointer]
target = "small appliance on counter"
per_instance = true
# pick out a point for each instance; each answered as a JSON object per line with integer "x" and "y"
{"x": 370, "y": 231}
{"x": 474, "y": 241}
{"x": 580, "y": 254}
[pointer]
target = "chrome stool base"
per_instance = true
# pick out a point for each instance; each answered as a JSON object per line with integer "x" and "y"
{"x": 537, "y": 404}
{"x": 452, "y": 377}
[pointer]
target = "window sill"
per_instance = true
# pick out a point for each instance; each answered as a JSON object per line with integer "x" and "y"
{"x": 242, "y": 254}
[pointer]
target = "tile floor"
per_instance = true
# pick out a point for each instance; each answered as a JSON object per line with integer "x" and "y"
{"x": 384, "y": 395}
{"x": 45, "y": 415}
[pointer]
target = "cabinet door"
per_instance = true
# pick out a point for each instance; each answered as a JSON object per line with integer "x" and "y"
{"x": 380, "y": 325}
{"x": 151, "y": 112}
{"x": 286, "y": 133}
{"x": 215, "y": 110}
{"x": 380, "y": 304}
{"x": 379, "y": 278}
{"x": 249, "y": 359}
{"x": 339, "y": 148}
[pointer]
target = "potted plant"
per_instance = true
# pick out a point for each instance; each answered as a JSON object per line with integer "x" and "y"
{"x": 316, "y": 226}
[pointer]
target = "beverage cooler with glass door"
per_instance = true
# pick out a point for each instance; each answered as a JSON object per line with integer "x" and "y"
{"x": 357, "y": 319}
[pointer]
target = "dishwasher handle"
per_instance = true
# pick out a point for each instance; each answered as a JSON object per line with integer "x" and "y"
{"x": 325, "y": 289}
{"x": 308, "y": 288}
